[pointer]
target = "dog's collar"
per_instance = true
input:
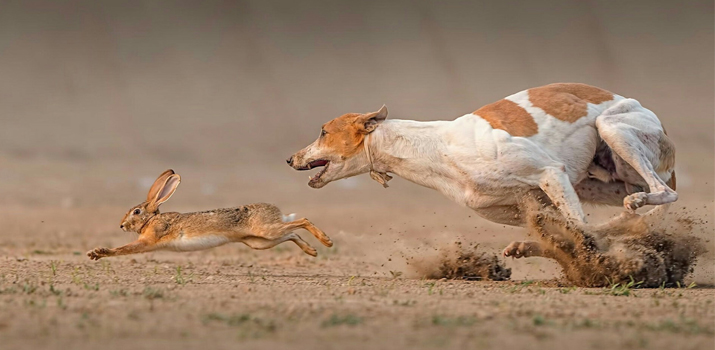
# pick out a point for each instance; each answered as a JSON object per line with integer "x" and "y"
{"x": 380, "y": 177}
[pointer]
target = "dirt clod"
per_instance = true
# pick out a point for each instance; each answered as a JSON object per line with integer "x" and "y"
{"x": 458, "y": 262}
{"x": 655, "y": 249}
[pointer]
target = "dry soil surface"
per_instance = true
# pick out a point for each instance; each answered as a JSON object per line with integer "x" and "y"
{"x": 96, "y": 101}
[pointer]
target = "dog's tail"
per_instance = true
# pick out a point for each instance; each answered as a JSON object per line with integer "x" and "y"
{"x": 667, "y": 159}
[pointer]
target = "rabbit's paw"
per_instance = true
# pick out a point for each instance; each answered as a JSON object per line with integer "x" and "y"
{"x": 97, "y": 253}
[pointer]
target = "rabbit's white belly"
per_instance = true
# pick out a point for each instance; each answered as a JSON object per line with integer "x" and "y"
{"x": 185, "y": 244}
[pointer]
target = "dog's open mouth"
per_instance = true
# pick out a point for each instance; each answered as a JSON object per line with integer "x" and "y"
{"x": 316, "y": 164}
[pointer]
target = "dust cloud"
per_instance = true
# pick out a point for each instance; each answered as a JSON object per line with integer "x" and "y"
{"x": 651, "y": 250}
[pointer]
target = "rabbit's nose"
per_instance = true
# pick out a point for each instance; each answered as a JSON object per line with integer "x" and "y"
{"x": 290, "y": 160}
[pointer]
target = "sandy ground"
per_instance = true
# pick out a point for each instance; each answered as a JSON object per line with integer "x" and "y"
{"x": 280, "y": 299}
{"x": 362, "y": 293}
{"x": 94, "y": 104}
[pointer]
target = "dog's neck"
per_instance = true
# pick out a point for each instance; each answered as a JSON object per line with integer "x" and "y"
{"x": 414, "y": 151}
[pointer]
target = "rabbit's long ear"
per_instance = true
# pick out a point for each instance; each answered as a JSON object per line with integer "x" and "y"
{"x": 168, "y": 189}
{"x": 158, "y": 184}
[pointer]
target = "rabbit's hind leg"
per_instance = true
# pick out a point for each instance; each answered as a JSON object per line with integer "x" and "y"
{"x": 268, "y": 222}
{"x": 307, "y": 248}
{"x": 308, "y": 226}
{"x": 260, "y": 243}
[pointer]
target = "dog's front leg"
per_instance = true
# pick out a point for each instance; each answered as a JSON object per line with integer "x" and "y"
{"x": 556, "y": 184}
{"x": 502, "y": 214}
{"x": 526, "y": 249}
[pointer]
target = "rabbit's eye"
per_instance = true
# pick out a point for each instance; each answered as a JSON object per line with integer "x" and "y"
{"x": 137, "y": 211}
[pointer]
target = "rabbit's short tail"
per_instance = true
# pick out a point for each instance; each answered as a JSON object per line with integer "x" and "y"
{"x": 288, "y": 218}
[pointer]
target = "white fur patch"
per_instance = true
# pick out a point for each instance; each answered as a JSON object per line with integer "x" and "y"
{"x": 185, "y": 244}
{"x": 288, "y": 218}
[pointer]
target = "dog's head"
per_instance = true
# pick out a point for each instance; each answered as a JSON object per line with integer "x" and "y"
{"x": 339, "y": 149}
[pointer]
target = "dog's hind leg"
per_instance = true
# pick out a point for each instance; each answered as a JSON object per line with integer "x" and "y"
{"x": 642, "y": 153}
{"x": 597, "y": 192}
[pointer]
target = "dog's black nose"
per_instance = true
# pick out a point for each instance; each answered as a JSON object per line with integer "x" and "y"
{"x": 290, "y": 160}
{"x": 121, "y": 226}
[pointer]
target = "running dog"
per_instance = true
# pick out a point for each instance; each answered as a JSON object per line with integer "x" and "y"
{"x": 574, "y": 142}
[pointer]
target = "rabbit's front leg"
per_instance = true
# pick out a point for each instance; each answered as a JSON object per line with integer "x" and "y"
{"x": 135, "y": 247}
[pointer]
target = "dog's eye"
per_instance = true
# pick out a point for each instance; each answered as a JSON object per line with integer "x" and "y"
{"x": 137, "y": 211}
{"x": 323, "y": 133}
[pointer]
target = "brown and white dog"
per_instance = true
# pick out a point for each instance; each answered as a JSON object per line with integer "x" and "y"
{"x": 574, "y": 142}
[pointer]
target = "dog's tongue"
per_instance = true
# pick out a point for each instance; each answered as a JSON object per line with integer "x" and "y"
{"x": 317, "y": 163}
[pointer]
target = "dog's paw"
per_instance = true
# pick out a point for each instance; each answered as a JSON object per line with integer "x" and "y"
{"x": 97, "y": 253}
{"x": 523, "y": 249}
{"x": 635, "y": 201}
{"x": 514, "y": 250}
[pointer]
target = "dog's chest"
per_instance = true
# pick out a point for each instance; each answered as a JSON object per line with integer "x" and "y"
{"x": 480, "y": 182}
{"x": 491, "y": 190}
{"x": 493, "y": 168}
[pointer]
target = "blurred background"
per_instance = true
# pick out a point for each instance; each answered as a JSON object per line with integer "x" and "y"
{"x": 99, "y": 97}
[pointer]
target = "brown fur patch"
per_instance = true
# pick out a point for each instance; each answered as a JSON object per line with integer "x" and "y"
{"x": 667, "y": 154}
{"x": 567, "y": 101}
{"x": 667, "y": 151}
{"x": 510, "y": 117}
{"x": 343, "y": 137}
{"x": 671, "y": 182}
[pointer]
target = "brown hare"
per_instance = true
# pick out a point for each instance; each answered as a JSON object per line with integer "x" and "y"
{"x": 259, "y": 226}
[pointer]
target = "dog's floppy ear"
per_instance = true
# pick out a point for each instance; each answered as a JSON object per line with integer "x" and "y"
{"x": 370, "y": 121}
